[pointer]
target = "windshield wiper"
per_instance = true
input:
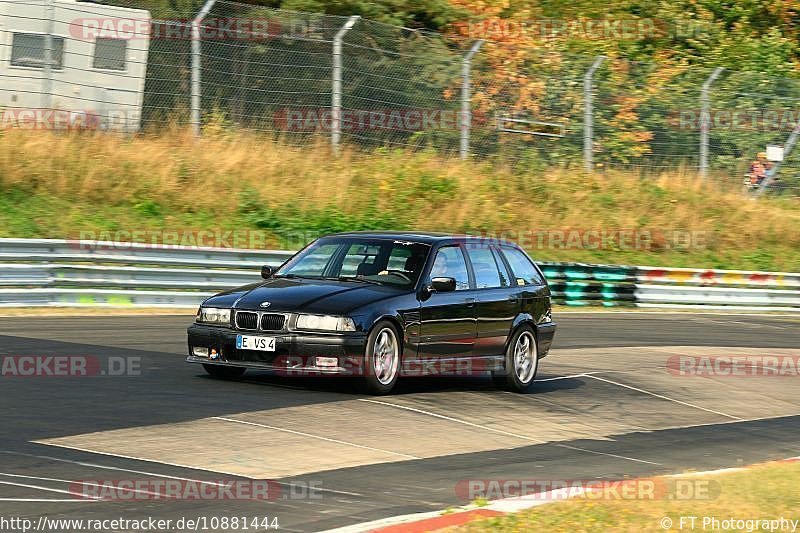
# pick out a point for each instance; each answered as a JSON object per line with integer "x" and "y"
{"x": 330, "y": 278}
{"x": 354, "y": 278}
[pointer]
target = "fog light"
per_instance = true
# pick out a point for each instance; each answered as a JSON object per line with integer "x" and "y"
{"x": 326, "y": 362}
{"x": 199, "y": 351}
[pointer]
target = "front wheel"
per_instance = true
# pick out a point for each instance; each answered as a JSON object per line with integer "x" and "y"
{"x": 224, "y": 372}
{"x": 522, "y": 362}
{"x": 381, "y": 359}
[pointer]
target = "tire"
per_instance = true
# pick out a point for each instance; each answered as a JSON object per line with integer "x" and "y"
{"x": 224, "y": 372}
{"x": 518, "y": 376}
{"x": 382, "y": 358}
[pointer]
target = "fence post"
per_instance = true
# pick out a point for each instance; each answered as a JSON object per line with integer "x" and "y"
{"x": 705, "y": 121}
{"x": 336, "y": 87}
{"x": 466, "y": 108}
{"x": 47, "y": 81}
{"x": 588, "y": 117}
{"x": 196, "y": 58}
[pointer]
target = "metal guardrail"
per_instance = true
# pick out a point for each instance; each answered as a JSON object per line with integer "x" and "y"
{"x": 51, "y": 272}
{"x": 100, "y": 252}
{"x": 45, "y": 272}
{"x": 62, "y": 275}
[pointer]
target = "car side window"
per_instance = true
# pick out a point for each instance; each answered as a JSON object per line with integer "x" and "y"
{"x": 484, "y": 266}
{"x": 524, "y": 270}
{"x": 449, "y": 263}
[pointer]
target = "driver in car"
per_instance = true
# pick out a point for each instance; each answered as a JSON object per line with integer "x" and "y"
{"x": 439, "y": 269}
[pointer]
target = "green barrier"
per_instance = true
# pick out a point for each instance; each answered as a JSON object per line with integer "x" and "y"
{"x": 581, "y": 271}
{"x": 579, "y": 290}
{"x": 579, "y": 284}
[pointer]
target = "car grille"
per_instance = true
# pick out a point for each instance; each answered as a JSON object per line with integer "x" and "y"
{"x": 260, "y": 321}
{"x": 245, "y": 320}
{"x": 272, "y": 322}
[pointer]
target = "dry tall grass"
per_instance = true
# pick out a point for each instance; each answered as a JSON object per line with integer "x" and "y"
{"x": 96, "y": 181}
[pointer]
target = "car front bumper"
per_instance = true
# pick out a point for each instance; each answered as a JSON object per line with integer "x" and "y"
{"x": 295, "y": 352}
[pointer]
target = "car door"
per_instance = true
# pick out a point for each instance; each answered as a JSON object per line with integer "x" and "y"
{"x": 448, "y": 319}
{"x": 497, "y": 300}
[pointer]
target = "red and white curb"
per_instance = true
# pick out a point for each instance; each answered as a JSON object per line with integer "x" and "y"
{"x": 436, "y": 520}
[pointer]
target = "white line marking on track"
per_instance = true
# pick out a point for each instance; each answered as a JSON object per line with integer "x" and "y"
{"x": 118, "y": 469}
{"x": 48, "y": 489}
{"x": 664, "y": 397}
{"x": 57, "y": 500}
{"x": 625, "y": 457}
{"x": 500, "y": 431}
{"x": 87, "y": 483}
{"x": 451, "y": 419}
{"x": 709, "y": 472}
{"x": 724, "y": 422}
{"x": 573, "y": 376}
{"x": 91, "y": 465}
{"x": 314, "y": 436}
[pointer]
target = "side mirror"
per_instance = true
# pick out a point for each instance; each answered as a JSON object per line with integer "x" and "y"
{"x": 443, "y": 284}
{"x": 267, "y": 271}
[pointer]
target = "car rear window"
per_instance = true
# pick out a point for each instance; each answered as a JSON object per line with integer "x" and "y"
{"x": 523, "y": 268}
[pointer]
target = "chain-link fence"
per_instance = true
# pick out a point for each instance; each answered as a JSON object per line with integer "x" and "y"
{"x": 145, "y": 66}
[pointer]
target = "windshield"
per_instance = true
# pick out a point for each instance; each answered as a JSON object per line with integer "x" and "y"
{"x": 384, "y": 261}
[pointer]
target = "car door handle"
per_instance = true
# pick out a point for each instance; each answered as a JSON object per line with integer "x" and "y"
{"x": 470, "y": 302}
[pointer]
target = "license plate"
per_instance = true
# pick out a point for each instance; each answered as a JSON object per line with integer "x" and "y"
{"x": 250, "y": 342}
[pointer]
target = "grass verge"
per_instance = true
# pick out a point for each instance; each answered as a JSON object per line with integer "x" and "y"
{"x": 767, "y": 492}
{"x": 78, "y": 184}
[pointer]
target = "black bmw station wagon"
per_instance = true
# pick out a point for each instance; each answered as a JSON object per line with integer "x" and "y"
{"x": 379, "y": 305}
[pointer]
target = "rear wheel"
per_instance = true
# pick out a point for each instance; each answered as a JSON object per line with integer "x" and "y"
{"x": 224, "y": 372}
{"x": 522, "y": 362}
{"x": 381, "y": 359}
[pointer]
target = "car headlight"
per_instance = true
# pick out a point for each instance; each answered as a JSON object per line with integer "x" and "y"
{"x": 325, "y": 323}
{"x": 214, "y": 315}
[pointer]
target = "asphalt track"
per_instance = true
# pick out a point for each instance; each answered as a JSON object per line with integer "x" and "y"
{"x": 607, "y": 407}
